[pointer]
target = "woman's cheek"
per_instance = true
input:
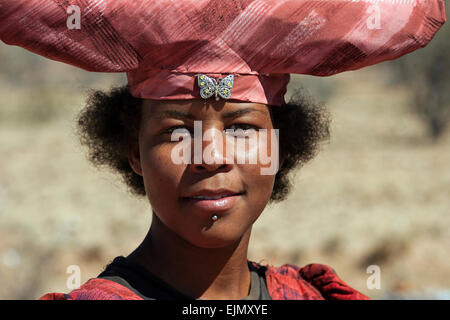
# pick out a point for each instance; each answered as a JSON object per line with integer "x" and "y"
{"x": 160, "y": 173}
{"x": 259, "y": 186}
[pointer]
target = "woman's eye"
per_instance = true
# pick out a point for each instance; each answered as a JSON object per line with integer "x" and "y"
{"x": 237, "y": 129}
{"x": 242, "y": 129}
{"x": 178, "y": 128}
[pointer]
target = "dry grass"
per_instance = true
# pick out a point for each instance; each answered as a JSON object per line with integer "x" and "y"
{"x": 378, "y": 193}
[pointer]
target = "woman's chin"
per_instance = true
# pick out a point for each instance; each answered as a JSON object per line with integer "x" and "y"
{"x": 210, "y": 239}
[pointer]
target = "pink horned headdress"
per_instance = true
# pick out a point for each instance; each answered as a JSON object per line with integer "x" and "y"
{"x": 243, "y": 50}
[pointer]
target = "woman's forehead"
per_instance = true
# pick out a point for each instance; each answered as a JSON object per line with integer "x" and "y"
{"x": 191, "y": 109}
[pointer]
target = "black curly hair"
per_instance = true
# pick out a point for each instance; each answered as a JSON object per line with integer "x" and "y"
{"x": 109, "y": 123}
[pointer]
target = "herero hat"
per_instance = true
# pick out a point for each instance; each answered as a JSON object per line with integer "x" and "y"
{"x": 234, "y": 49}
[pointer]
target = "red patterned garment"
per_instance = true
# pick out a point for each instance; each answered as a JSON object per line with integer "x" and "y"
{"x": 288, "y": 282}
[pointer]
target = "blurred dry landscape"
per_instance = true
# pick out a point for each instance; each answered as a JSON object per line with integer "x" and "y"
{"x": 377, "y": 193}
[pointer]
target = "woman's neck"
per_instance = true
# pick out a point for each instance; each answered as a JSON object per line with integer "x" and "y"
{"x": 201, "y": 273}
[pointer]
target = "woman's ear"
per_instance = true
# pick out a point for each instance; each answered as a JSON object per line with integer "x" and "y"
{"x": 134, "y": 158}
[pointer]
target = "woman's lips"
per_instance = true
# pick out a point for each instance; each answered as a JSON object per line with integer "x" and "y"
{"x": 224, "y": 203}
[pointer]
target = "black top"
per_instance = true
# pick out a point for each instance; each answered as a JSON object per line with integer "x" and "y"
{"x": 149, "y": 287}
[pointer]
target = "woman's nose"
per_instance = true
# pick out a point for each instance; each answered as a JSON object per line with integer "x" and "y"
{"x": 209, "y": 152}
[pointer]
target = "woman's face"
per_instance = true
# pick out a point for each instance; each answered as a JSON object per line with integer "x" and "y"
{"x": 183, "y": 186}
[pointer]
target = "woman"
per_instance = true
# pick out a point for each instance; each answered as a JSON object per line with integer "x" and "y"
{"x": 169, "y": 140}
{"x": 198, "y": 248}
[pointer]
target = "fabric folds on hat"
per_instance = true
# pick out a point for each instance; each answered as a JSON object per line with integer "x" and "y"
{"x": 163, "y": 45}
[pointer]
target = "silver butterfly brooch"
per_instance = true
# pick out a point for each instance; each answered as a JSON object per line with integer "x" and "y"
{"x": 209, "y": 86}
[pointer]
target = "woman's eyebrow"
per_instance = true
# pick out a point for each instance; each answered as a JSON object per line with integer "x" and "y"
{"x": 240, "y": 112}
{"x": 175, "y": 114}
{"x": 186, "y": 115}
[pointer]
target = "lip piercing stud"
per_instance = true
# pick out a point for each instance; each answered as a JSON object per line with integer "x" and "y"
{"x": 214, "y": 217}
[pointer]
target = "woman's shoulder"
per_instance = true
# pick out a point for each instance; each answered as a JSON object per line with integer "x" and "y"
{"x": 287, "y": 282}
{"x": 312, "y": 282}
